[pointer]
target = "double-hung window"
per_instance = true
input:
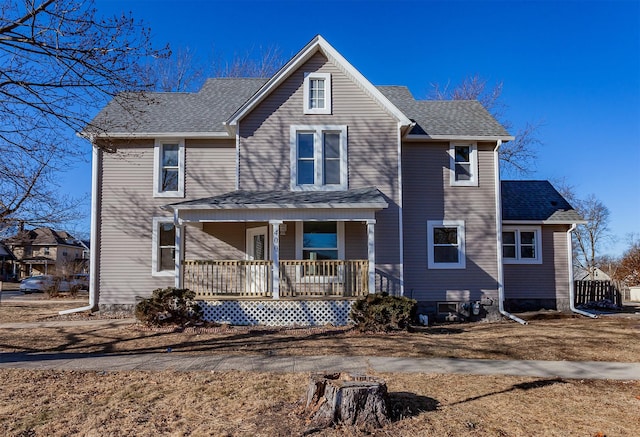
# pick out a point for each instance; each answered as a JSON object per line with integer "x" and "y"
{"x": 163, "y": 241}
{"x": 521, "y": 245}
{"x": 445, "y": 242}
{"x": 168, "y": 168}
{"x": 317, "y": 93}
{"x": 463, "y": 164}
{"x": 318, "y": 157}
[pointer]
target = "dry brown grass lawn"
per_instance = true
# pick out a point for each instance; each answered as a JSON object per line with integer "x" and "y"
{"x": 56, "y": 403}
{"x": 581, "y": 338}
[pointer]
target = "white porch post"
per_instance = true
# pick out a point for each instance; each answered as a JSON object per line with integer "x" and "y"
{"x": 371, "y": 250}
{"x": 275, "y": 257}
{"x": 179, "y": 250}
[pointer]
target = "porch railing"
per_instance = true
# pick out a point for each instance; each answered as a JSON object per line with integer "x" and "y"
{"x": 345, "y": 278}
{"x": 298, "y": 278}
{"x": 231, "y": 278}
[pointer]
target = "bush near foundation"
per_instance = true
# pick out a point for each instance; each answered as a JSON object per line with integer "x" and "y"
{"x": 382, "y": 313}
{"x": 169, "y": 306}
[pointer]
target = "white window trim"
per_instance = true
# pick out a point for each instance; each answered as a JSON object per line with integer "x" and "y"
{"x": 473, "y": 156}
{"x": 431, "y": 264}
{"x": 300, "y": 237}
{"x": 538, "y": 247}
{"x": 155, "y": 248}
{"x": 318, "y": 158}
{"x": 327, "y": 93}
{"x": 299, "y": 249}
{"x": 157, "y": 168}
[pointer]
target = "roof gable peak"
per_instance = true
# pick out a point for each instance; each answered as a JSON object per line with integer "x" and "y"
{"x": 317, "y": 44}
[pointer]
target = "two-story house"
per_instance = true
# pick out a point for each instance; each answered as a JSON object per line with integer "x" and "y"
{"x": 43, "y": 251}
{"x": 281, "y": 200}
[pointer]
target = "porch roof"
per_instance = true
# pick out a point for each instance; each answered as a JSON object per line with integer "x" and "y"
{"x": 360, "y": 198}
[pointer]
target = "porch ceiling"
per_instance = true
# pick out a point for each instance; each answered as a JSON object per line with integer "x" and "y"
{"x": 355, "y": 204}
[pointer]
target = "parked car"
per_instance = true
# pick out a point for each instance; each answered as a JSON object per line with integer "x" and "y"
{"x": 80, "y": 281}
{"x": 42, "y": 283}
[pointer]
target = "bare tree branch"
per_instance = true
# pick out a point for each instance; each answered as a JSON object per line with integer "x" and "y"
{"x": 60, "y": 62}
{"x": 517, "y": 156}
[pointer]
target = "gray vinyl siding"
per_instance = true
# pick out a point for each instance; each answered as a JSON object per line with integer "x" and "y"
{"x": 428, "y": 195}
{"x": 127, "y": 208}
{"x": 549, "y": 280}
{"x": 264, "y": 147}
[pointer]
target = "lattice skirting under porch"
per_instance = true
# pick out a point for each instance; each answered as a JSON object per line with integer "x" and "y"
{"x": 278, "y": 312}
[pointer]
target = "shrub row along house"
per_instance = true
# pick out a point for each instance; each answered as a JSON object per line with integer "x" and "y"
{"x": 280, "y": 200}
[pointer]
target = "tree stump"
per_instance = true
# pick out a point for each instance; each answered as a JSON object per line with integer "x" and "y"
{"x": 342, "y": 398}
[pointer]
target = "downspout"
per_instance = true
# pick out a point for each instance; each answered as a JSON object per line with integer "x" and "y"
{"x": 572, "y": 291}
{"x": 400, "y": 210}
{"x": 93, "y": 259}
{"x": 498, "y": 194}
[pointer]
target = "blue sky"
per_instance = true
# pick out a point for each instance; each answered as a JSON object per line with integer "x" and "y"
{"x": 572, "y": 66}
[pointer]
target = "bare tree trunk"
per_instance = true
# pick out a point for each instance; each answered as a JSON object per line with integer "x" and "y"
{"x": 342, "y": 398}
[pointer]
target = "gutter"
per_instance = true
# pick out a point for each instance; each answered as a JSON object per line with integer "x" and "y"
{"x": 572, "y": 290}
{"x": 93, "y": 260}
{"x": 498, "y": 195}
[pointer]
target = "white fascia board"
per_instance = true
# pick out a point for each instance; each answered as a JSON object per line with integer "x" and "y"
{"x": 205, "y": 207}
{"x": 544, "y": 222}
{"x": 414, "y": 137}
{"x": 302, "y": 56}
{"x": 316, "y": 44}
{"x": 368, "y": 86}
{"x": 159, "y": 135}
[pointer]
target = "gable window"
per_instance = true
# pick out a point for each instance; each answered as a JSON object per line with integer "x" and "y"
{"x": 464, "y": 164}
{"x": 169, "y": 168}
{"x": 521, "y": 245}
{"x": 317, "y": 93}
{"x": 163, "y": 241}
{"x": 445, "y": 242}
{"x": 318, "y": 157}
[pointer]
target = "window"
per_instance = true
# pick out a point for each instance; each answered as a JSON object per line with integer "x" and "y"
{"x": 320, "y": 241}
{"x": 521, "y": 245}
{"x": 445, "y": 241}
{"x": 169, "y": 168}
{"x": 46, "y": 251}
{"x": 164, "y": 247}
{"x": 318, "y": 157}
{"x": 317, "y": 93}
{"x": 464, "y": 164}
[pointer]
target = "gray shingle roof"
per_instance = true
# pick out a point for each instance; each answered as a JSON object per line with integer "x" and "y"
{"x": 204, "y": 111}
{"x": 219, "y": 98}
{"x": 445, "y": 117}
{"x": 535, "y": 201}
{"x": 368, "y": 197}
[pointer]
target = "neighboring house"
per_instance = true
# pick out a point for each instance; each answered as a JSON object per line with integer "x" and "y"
{"x": 598, "y": 275}
{"x": 45, "y": 251}
{"x": 281, "y": 200}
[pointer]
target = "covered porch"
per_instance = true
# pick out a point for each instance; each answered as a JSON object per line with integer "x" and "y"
{"x": 277, "y": 245}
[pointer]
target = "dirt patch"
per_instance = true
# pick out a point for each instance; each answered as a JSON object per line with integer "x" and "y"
{"x": 51, "y": 403}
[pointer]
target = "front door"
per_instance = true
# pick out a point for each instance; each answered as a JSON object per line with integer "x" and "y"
{"x": 257, "y": 250}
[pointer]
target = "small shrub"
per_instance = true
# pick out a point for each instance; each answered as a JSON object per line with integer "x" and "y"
{"x": 169, "y": 306}
{"x": 382, "y": 313}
